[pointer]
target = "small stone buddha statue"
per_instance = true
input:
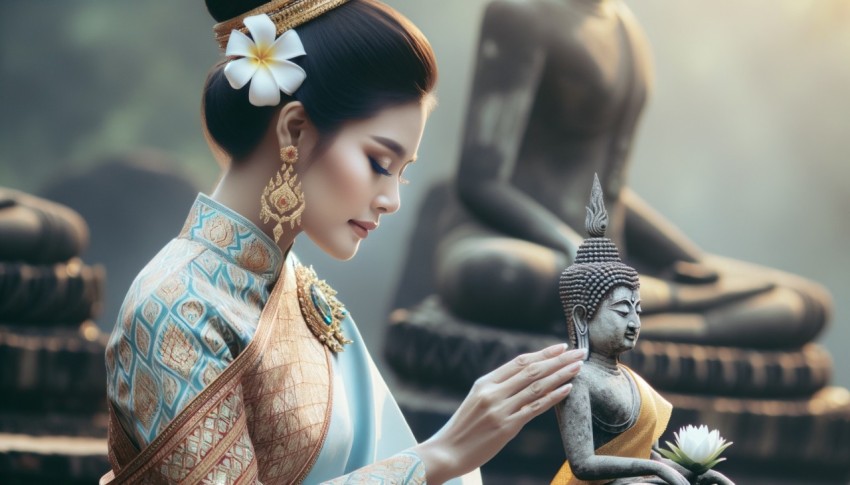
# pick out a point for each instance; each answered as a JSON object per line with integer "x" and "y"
{"x": 612, "y": 417}
{"x": 558, "y": 91}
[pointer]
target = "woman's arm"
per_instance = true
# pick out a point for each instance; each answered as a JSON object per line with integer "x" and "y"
{"x": 574, "y": 418}
{"x": 511, "y": 59}
{"x": 498, "y": 406}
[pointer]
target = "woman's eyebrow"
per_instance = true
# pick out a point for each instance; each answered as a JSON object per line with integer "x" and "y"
{"x": 392, "y": 145}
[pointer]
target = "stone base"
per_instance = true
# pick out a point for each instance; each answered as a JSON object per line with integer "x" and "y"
{"x": 58, "y": 295}
{"x": 51, "y": 370}
{"x": 52, "y": 459}
{"x": 429, "y": 345}
{"x": 53, "y": 424}
{"x": 813, "y": 432}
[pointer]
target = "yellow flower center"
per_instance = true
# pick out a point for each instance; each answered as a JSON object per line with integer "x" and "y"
{"x": 261, "y": 54}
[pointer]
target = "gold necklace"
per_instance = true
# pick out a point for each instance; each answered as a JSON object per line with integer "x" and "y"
{"x": 320, "y": 308}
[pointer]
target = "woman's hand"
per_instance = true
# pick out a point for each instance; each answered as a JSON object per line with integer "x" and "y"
{"x": 498, "y": 406}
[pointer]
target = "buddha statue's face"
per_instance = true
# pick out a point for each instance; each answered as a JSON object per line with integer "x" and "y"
{"x": 615, "y": 327}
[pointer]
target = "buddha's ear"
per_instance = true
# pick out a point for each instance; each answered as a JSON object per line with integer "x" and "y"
{"x": 580, "y": 319}
{"x": 580, "y": 322}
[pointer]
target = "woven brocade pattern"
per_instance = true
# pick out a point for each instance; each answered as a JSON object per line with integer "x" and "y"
{"x": 288, "y": 395}
{"x": 172, "y": 339}
{"x": 404, "y": 468}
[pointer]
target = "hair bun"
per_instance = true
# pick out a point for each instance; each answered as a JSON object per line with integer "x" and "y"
{"x": 222, "y": 10}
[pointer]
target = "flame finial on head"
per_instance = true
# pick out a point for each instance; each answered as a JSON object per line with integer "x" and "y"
{"x": 596, "y": 221}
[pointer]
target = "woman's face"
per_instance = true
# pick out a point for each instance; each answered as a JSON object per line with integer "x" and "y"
{"x": 355, "y": 179}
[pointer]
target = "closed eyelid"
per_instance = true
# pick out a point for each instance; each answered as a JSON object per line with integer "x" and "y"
{"x": 624, "y": 306}
{"x": 378, "y": 168}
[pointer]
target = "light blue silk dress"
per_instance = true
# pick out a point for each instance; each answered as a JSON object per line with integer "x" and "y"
{"x": 210, "y": 285}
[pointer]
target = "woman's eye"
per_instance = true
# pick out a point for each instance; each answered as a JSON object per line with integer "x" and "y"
{"x": 378, "y": 168}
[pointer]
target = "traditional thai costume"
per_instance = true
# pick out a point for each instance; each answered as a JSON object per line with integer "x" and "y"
{"x": 221, "y": 370}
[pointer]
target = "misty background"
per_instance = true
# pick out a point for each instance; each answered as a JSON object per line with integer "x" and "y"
{"x": 744, "y": 143}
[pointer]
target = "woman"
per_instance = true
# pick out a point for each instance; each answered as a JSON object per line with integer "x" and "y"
{"x": 233, "y": 363}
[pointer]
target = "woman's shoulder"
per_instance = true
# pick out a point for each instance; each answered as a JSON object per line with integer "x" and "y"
{"x": 188, "y": 302}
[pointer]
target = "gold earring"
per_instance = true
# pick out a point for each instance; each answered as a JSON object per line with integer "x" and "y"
{"x": 282, "y": 199}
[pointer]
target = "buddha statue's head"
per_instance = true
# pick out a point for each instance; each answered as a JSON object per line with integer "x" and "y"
{"x": 598, "y": 291}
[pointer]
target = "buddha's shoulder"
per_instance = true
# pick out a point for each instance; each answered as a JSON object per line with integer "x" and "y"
{"x": 530, "y": 17}
{"x": 519, "y": 14}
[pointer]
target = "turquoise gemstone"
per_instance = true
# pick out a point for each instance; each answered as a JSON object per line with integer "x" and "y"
{"x": 321, "y": 304}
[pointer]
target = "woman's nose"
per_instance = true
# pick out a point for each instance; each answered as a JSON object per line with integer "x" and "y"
{"x": 388, "y": 200}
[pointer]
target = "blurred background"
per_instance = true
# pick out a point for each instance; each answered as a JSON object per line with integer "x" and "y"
{"x": 744, "y": 144}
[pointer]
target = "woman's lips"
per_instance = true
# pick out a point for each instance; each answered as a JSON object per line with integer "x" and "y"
{"x": 362, "y": 228}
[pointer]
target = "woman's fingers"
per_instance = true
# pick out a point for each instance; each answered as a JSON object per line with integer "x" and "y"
{"x": 508, "y": 370}
{"x": 535, "y": 408}
{"x": 541, "y": 377}
{"x": 555, "y": 373}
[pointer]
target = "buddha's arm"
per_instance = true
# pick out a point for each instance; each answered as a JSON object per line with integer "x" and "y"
{"x": 652, "y": 238}
{"x": 510, "y": 63}
{"x": 575, "y": 421}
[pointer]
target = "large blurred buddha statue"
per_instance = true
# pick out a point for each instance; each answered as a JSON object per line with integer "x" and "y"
{"x": 558, "y": 91}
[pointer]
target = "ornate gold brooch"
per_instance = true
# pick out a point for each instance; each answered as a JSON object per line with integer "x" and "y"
{"x": 322, "y": 311}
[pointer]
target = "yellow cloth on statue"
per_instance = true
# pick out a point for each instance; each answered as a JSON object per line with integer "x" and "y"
{"x": 635, "y": 442}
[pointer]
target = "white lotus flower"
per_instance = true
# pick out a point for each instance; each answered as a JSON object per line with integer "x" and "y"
{"x": 264, "y": 61}
{"x": 696, "y": 448}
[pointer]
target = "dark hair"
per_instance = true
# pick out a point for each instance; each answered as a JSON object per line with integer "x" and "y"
{"x": 362, "y": 57}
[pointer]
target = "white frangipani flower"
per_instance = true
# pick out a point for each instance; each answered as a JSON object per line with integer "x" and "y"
{"x": 697, "y": 449}
{"x": 264, "y": 61}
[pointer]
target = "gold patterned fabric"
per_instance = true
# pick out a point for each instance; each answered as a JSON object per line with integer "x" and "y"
{"x": 403, "y": 468}
{"x": 288, "y": 394}
{"x": 635, "y": 442}
{"x": 215, "y": 376}
{"x": 186, "y": 317}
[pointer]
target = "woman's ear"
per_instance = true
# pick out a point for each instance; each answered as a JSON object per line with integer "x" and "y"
{"x": 292, "y": 124}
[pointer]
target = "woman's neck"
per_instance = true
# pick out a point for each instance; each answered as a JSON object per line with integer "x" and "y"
{"x": 240, "y": 189}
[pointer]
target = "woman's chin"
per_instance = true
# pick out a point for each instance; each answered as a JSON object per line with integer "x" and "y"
{"x": 340, "y": 251}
